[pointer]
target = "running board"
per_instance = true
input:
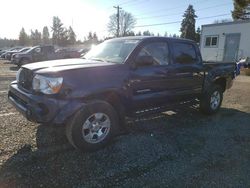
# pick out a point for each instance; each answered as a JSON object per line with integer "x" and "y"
{"x": 160, "y": 109}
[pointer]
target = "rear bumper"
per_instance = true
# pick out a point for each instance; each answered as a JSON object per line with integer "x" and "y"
{"x": 41, "y": 108}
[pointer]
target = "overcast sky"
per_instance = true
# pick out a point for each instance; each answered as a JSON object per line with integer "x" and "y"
{"x": 93, "y": 15}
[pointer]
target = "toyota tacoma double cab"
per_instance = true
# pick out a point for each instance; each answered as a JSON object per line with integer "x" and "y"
{"x": 121, "y": 77}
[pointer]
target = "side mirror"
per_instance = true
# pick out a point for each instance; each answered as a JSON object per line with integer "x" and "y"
{"x": 144, "y": 61}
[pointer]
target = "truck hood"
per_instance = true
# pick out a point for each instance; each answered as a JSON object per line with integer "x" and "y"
{"x": 63, "y": 64}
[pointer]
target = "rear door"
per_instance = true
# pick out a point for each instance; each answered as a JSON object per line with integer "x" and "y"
{"x": 186, "y": 71}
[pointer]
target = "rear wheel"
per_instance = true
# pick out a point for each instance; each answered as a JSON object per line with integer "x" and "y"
{"x": 93, "y": 126}
{"x": 211, "y": 100}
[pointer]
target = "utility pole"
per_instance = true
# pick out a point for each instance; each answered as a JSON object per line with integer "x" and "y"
{"x": 118, "y": 19}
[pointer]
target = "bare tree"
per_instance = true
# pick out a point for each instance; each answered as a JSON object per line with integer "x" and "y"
{"x": 126, "y": 23}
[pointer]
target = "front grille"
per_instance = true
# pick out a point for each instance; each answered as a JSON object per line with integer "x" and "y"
{"x": 25, "y": 79}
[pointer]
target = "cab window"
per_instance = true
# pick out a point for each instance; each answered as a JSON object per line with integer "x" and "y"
{"x": 184, "y": 53}
{"x": 158, "y": 50}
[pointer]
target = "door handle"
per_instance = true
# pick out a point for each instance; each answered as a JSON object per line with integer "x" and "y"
{"x": 135, "y": 81}
{"x": 182, "y": 73}
{"x": 162, "y": 72}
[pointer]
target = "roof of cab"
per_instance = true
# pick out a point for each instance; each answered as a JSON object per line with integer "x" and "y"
{"x": 149, "y": 38}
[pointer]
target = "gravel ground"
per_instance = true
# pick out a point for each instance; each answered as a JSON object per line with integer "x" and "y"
{"x": 181, "y": 149}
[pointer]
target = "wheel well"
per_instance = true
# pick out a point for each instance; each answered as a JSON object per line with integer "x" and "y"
{"x": 221, "y": 82}
{"x": 113, "y": 99}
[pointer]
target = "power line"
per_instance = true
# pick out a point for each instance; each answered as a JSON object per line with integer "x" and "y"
{"x": 166, "y": 15}
{"x": 168, "y": 23}
{"x": 166, "y": 9}
{"x": 135, "y": 3}
{"x": 127, "y": 2}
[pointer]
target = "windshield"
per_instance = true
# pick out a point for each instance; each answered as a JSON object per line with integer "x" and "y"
{"x": 29, "y": 50}
{"x": 24, "y": 50}
{"x": 112, "y": 51}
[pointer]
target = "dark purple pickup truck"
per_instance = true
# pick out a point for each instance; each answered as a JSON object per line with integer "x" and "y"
{"x": 122, "y": 77}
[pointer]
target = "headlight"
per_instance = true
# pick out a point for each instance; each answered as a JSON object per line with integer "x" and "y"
{"x": 16, "y": 56}
{"x": 47, "y": 85}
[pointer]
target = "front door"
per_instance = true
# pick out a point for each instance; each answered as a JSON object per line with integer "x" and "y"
{"x": 148, "y": 84}
{"x": 231, "y": 48}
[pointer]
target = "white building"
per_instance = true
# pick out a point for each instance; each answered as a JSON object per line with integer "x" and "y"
{"x": 225, "y": 41}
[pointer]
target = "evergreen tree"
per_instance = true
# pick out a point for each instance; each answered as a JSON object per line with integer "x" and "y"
{"x": 23, "y": 38}
{"x": 146, "y": 33}
{"x": 188, "y": 24}
{"x": 90, "y": 36}
{"x": 241, "y": 10}
{"x": 95, "y": 38}
{"x": 198, "y": 35}
{"x": 45, "y": 35}
{"x": 36, "y": 37}
{"x": 63, "y": 37}
{"x": 58, "y": 30}
{"x": 130, "y": 33}
{"x": 138, "y": 34}
{"x": 72, "y": 36}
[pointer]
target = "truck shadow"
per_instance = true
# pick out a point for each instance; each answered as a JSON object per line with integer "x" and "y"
{"x": 149, "y": 142}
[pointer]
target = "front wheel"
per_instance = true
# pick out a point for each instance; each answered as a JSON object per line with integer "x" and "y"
{"x": 93, "y": 126}
{"x": 211, "y": 100}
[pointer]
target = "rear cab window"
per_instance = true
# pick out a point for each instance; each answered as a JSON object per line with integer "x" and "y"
{"x": 184, "y": 53}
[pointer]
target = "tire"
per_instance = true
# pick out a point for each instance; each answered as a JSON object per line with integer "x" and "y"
{"x": 93, "y": 126}
{"x": 211, "y": 100}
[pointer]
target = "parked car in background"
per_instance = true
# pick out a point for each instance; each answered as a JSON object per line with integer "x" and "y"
{"x": 83, "y": 51}
{"x": 10, "y": 50}
{"x": 122, "y": 77}
{"x": 10, "y": 53}
{"x": 42, "y": 53}
{"x": 2, "y": 52}
{"x": 68, "y": 53}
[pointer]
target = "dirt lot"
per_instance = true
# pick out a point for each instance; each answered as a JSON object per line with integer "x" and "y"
{"x": 183, "y": 149}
